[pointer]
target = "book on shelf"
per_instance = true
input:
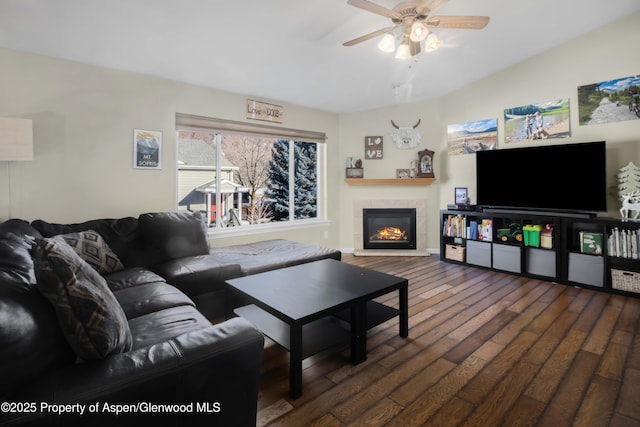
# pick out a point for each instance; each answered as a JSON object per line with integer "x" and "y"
{"x": 623, "y": 243}
{"x": 486, "y": 230}
{"x": 455, "y": 226}
{"x": 590, "y": 243}
{"x": 473, "y": 230}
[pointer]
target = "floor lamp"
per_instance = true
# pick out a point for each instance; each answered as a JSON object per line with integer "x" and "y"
{"x": 16, "y": 144}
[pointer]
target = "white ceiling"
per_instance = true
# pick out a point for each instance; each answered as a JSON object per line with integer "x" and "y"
{"x": 291, "y": 50}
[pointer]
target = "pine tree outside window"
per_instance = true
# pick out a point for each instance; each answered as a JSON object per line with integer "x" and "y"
{"x": 263, "y": 180}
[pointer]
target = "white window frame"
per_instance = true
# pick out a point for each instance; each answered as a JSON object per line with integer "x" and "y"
{"x": 219, "y": 126}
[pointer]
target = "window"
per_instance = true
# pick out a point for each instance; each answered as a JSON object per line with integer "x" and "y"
{"x": 265, "y": 175}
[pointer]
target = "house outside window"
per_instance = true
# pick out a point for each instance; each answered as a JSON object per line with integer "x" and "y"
{"x": 240, "y": 179}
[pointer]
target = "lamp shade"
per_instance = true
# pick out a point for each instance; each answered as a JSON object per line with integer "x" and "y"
{"x": 418, "y": 32}
{"x": 403, "y": 51}
{"x": 388, "y": 43}
{"x": 432, "y": 42}
{"x": 16, "y": 139}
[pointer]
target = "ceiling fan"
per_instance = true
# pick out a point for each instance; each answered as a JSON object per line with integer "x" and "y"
{"x": 412, "y": 20}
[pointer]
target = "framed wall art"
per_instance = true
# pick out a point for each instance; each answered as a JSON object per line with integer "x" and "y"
{"x": 541, "y": 121}
{"x": 373, "y": 147}
{"x": 609, "y": 101}
{"x": 147, "y": 149}
{"x": 469, "y": 137}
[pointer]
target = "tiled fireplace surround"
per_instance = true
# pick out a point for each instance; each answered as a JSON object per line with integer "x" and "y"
{"x": 421, "y": 234}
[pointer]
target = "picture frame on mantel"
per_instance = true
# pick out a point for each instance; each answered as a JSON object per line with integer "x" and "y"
{"x": 425, "y": 165}
{"x": 403, "y": 173}
{"x": 355, "y": 173}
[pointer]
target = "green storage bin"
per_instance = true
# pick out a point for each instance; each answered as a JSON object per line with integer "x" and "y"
{"x": 532, "y": 235}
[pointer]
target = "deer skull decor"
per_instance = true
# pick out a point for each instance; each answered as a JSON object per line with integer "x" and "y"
{"x": 406, "y": 137}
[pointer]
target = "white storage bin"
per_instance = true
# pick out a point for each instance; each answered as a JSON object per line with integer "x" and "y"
{"x": 586, "y": 269}
{"x": 507, "y": 258}
{"x": 479, "y": 253}
{"x": 541, "y": 262}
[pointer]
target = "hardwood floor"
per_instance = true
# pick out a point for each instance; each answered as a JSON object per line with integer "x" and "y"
{"x": 484, "y": 349}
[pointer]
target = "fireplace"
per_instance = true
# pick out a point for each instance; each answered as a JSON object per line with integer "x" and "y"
{"x": 389, "y": 228}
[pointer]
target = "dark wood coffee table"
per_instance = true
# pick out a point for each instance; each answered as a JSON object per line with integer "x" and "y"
{"x": 300, "y": 308}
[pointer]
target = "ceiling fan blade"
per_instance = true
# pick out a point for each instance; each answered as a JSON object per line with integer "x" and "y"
{"x": 422, "y": 6}
{"x": 374, "y": 8}
{"x": 431, "y": 6}
{"x": 368, "y": 36}
{"x": 461, "y": 22}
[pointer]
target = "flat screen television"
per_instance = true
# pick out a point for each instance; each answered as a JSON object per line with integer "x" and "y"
{"x": 556, "y": 178}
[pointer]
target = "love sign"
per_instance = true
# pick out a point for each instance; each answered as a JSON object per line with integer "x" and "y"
{"x": 373, "y": 147}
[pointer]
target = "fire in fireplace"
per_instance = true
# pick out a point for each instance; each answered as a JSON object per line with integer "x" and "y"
{"x": 389, "y": 228}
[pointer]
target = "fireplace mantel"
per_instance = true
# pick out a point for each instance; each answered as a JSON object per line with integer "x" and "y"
{"x": 389, "y": 181}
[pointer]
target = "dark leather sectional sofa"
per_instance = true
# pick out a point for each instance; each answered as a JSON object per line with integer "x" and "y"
{"x": 143, "y": 332}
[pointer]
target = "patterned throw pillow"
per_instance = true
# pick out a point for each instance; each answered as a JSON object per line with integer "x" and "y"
{"x": 89, "y": 314}
{"x": 94, "y": 250}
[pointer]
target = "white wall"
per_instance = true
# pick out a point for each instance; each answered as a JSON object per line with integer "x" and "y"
{"x": 353, "y": 129}
{"x": 607, "y": 53}
{"x": 84, "y": 118}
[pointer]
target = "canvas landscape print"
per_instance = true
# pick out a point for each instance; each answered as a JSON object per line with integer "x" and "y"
{"x": 609, "y": 101}
{"x": 546, "y": 120}
{"x": 470, "y": 137}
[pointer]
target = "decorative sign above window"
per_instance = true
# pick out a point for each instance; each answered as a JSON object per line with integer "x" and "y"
{"x": 373, "y": 147}
{"x": 257, "y": 110}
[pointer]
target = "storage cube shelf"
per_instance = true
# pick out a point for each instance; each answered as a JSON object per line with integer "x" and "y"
{"x": 595, "y": 252}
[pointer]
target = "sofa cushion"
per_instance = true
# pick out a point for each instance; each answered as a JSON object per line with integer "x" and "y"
{"x": 31, "y": 341}
{"x": 163, "y": 325}
{"x": 16, "y": 265}
{"x": 131, "y": 276}
{"x": 91, "y": 318}
{"x": 16, "y": 239}
{"x": 197, "y": 275}
{"x": 122, "y": 235}
{"x": 268, "y": 255}
{"x": 90, "y": 246}
{"x": 171, "y": 235}
{"x": 150, "y": 297}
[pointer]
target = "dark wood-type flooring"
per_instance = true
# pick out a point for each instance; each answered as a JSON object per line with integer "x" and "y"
{"x": 484, "y": 349}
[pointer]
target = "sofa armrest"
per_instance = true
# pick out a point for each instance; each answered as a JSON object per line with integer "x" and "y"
{"x": 213, "y": 373}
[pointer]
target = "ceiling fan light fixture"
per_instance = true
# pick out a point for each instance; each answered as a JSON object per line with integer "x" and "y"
{"x": 418, "y": 32}
{"x": 388, "y": 43}
{"x": 432, "y": 42}
{"x": 403, "y": 51}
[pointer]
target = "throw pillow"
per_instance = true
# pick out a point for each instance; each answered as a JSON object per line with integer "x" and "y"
{"x": 89, "y": 314}
{"x": 94, "y": 250}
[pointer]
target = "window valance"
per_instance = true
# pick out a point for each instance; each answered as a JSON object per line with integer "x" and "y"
{"x": 193, "y": 122}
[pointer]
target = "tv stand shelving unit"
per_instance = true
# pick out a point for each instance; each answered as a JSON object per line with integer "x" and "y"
{"x": 563, "y": 261}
